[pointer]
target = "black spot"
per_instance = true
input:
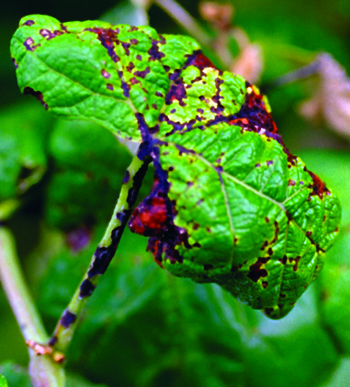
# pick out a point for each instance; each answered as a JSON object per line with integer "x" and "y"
{"x": 28, "y": 23}
{"x": 86, "y": 288}
{"x": 142, "y": 73}
{"x": 154, "y": 52}
{"x": 68, "y": 319}
{"x": 53, "y": 341}
{"x": 126, "y": 177}
{"x": 37, "y": 94}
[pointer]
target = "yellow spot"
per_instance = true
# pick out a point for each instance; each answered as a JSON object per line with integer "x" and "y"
{"x": 256, "y": 90}
{"x": 267, "y": 104}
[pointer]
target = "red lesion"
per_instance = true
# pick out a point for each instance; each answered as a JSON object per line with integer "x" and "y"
{"x": 199, "y": 60}
{"x": 149, "y": 219}
{"x": 253, "y": 114}
{"x": 318, "y": 186}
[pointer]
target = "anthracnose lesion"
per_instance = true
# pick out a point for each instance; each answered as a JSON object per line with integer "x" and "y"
{"x": 86, "y": 288}
{"x": 68, "y": 319}
{"x": 104, "y": 254}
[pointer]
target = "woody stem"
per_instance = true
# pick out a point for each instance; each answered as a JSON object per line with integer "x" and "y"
{"x": 103, "y": 254}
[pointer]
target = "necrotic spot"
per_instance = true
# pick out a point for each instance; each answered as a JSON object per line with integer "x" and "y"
{"x": 37, "y": 94}
{"x": 68, "y": 319}
{"x": 86, "y": 288}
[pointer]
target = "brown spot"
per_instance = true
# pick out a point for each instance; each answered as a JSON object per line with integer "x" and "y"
{"x": 255, "y": 271}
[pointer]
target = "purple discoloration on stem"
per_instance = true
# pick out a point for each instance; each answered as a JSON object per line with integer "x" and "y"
{"x": 68, "y": 319}
{"x": 104, "y": 255}
{"x": 86, "y": 288}
{"x": 126, "y": 177}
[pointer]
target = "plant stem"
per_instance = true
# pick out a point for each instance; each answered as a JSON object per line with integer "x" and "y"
{"x": 185, "y": 20}
{"x": 103, "y": 255}
{"x": 43, "y": 371}
{"x": 17, "y": 292}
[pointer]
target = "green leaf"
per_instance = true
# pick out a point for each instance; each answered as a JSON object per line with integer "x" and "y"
{"x": 334, "y": 282}
{"x": 23, "y": 132}
{"x": 18, "y": 376}
{"x": 3, "y": 382}
{"x": 230, "y": 204}
{"x": 70, "y": 69}
{"x": 88, "y": 164}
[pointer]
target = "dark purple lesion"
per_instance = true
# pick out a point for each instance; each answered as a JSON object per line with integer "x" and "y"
{"x": 37, "y": 94}
{"x": 318, "y": 186}
{"x": 29, "y": 44}
{"x": 105, "y": 74}
{"x": 108, "y": 38}
{"x": 68, "y": 318}
{"x": 28, "y": 23}
{"x": 15, "y": 63}
{"x": 177, "y": 92}
{"x": 86, "y": 288}
{"x": 154, "y": 53}
{"x": 104, "y": 255}
{"x": 142, "y": 73}
{"x": 48, "y": 35}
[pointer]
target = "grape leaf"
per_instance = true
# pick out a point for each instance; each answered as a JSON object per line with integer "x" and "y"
{"x": 230, "y": 204}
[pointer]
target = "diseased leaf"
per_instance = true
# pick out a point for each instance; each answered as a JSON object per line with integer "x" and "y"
{"x": 230, "y": 204}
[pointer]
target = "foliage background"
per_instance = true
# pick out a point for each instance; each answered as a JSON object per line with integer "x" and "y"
{"x": 142, "y": 326}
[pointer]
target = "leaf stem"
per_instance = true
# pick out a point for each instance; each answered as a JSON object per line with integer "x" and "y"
{"x": 43, "y": 371}
{"x": 17, "y": 291}
{"x": 185, "y": 20}
{"x": 103, "y": 255}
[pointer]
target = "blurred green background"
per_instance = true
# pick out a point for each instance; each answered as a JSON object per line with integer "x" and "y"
{"x": 142, "y": 326}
